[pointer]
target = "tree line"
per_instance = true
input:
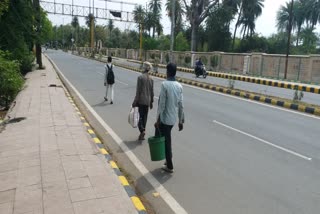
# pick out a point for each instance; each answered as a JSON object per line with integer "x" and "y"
{"x": 18, "y": 34}
{"x": 205, "y": 25}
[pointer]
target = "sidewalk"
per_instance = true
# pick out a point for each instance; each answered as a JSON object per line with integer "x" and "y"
{"x": 48, "y": 162}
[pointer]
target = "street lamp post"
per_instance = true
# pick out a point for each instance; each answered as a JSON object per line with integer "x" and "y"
{"x": 140, "y": 54}
{"x": 173, "y": 6}
{"x": 36, "y": 5}
{"x": 289, "y": 38}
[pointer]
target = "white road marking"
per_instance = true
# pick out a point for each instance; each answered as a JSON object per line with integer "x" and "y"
{"x": 122, "y": 82}
{"x": 264, "y": 141}
{"x": 243, "y": 99}
{"x": 155, "y": 97}
{"x": 158, "y": 187}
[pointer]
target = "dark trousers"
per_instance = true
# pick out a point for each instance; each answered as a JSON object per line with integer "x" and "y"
{"x": 143, "y": 112}
{"x": 165, "y": 130}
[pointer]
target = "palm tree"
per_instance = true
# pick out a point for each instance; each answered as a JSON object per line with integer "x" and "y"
{"x": 159, "y": 28}
{"x": 248, "y": 11}
{"x": 75, "y": 25}
{"x": 88, "y": 19}
{"x": 197, "y": 12}
{"x": 309, "y": 38}
{"x": 299, "y": 13}
{"x": 139, "y": 16}
{"x": 179, "y": 12}
{"x": 149, "y": 22}
{"x": 110, "y": 25}
{"x": 251, "y": 10}
{"x": 299, "y": 17}
{"x": 312, "y": 12}
{"x": 155, "y": 9}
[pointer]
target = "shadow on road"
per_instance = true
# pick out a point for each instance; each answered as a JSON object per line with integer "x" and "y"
{"x": 161, "y": 176}
{"x": 132, "y": 144}
{"x": 101, "y": 104}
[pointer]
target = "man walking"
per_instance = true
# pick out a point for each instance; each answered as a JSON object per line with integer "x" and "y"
{"x": 170, "y": 108}
{"x": 109, "y": 79}
{"x": 144, "y": 98}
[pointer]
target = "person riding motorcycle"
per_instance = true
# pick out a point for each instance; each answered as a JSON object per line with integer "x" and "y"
{"x": 200, "y": 69}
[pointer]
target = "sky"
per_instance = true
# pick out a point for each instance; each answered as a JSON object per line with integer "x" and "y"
{"x": 265, "y": 24}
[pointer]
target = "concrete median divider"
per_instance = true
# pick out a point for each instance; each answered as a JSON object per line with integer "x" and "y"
{"x": 256, "y": 80}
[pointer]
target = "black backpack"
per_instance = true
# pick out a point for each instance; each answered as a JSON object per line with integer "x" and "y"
{"x": 110, "y": 75}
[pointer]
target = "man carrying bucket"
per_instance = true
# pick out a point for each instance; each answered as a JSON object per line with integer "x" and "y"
{"x": 170, "y": 108}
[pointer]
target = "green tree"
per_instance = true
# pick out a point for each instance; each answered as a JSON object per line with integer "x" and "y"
{"x": 110, "y": 25}
{"x": 63, "y": 35}
{"x": 312, "y": 12}
{"x": 100, "y": 33}
{"x": 179, "y": 12}
{"x": 114, "y": 41}
{"x": 155, "y": 10}
{"x": 150, "y": 43}
{"x": 182, "y": 43}
{"x": 159, "y": 28}
{"x": 148, "y": 22}
{"x": 299, "y": 16}
{"x": 309, "y": 39}
{"x": 139, "y": 16}
{"x": 253, "y": 43}
{"x": 218, "y": 29}
{"x": 164, "y": 42}
{"x": 248, "y": 11}
{"x": 46, "y": 33}
{"x": 237, "y": 9}
{"x": 277, "y": 43}
{"x": 18, "y": 36}
{"x": 197, "y": 12}
{"x": 251, "y": 10}
{"x": 75, "y": 24}
{"x": 88, "y": 20}
{"x": 11, "y": 81}
{"x": 4, "y": 5}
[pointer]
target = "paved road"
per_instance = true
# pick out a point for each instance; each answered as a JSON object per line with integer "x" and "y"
{"x": 252, "y": 87}
{"x": 234, "y": 156}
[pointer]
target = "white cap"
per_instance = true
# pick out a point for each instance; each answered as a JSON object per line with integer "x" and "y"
{"x": 147, "y": 66}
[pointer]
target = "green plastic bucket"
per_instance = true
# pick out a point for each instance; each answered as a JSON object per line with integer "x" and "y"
{"x": 157, "y": 148}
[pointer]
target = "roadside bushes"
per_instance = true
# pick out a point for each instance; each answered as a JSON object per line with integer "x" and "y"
{"x": 11, "y": 80}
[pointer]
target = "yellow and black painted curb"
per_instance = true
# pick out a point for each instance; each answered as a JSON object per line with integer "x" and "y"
{"x": 267, "y": 82}
{"x": 251, "y": 96}
{"x": 123, "y": 180}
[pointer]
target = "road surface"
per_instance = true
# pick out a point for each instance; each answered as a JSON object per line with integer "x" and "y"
{"x": 234, "y": 155}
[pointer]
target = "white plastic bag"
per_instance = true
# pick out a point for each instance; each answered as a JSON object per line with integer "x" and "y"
{"x": 133, "y": 118}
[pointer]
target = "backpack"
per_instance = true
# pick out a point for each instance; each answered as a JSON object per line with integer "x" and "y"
{"x": 110, "y": 75}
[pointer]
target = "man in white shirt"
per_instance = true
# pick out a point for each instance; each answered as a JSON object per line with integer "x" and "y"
{"x": 170, "y": 108}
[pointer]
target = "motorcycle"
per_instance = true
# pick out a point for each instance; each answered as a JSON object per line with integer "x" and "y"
{"x": 200, "y": 71}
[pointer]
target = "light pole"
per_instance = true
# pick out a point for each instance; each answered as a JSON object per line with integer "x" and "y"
{"x": 289, "y": 38}
{"x": 36, "y": 5}
{"x": 173, "y": 12}
{"x": 140, "y": 42}
{"x": 63, "y": 33}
